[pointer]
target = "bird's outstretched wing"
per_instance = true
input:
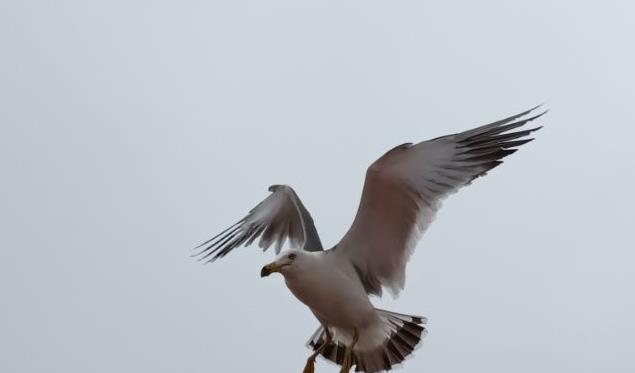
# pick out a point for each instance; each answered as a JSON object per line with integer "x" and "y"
{"x": 278, "y": 217}
{"x": 404, "y": 188}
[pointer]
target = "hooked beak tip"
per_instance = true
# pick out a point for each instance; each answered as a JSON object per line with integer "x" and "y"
{"x": 265, "y": 271}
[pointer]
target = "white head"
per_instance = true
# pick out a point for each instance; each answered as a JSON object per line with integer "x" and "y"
{"x": 287, "y": 263}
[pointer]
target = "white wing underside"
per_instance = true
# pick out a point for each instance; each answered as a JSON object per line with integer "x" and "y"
{"x": 278, "y": 218}
{"x": 404, "y": 189}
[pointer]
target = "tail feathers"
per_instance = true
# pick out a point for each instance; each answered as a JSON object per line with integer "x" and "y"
{"x": 402, "y": 334}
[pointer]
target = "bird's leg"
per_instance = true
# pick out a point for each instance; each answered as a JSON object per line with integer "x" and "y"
{"x": 310, "y": 362}
{"x": 348, "y": 355}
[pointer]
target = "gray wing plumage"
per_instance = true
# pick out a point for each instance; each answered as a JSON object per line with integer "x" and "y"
{"x": 278, "y": 217}
{"x": 404, "y": 188}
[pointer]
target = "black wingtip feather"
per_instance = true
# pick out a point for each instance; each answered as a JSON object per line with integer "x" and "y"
{"x": 483, "y": 148}
{"x": 221, "y": 233}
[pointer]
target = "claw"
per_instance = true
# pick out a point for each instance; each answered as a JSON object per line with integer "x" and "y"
{"x": 345, "y": 368}
{"x": 347, "y": 363}
{"x": 310, "y": 365}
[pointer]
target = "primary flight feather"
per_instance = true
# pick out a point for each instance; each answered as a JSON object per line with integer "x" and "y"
{"x": 402, "y": 192}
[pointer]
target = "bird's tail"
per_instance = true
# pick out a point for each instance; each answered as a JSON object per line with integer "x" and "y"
{"x": 380, "y": 347}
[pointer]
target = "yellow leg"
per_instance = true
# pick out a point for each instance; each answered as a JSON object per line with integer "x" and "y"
{"x": 310, "y": 362}
{"x": 348, "y": 355}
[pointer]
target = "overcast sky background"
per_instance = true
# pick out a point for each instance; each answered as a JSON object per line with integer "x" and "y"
{"x": 132, "y": 130}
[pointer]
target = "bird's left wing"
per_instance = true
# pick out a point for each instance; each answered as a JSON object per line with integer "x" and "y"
{"x": 404, "y": 189}
{"x": 278, "y": 217}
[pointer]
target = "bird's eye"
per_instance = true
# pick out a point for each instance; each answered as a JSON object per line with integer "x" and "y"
{"x": 291, "y": 256}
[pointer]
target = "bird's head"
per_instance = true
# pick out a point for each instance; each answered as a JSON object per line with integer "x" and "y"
{"x": 286, "y": 263}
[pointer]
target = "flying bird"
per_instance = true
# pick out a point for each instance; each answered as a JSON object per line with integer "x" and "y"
{"x": 402, "y": 192}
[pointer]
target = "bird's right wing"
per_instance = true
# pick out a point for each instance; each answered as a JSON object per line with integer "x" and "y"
{"x": 278, "y": 217}
{"x": 404, "y": 189}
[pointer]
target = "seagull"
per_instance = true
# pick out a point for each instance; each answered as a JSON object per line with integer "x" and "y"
{"x": 402, "y": 192}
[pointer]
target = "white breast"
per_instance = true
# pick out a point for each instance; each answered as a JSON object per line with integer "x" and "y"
{"x": 333, "y": 292}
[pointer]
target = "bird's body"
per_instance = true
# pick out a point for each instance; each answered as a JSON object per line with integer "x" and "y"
{"x": 332, "y": 290}
{"x": 402, "y": 193}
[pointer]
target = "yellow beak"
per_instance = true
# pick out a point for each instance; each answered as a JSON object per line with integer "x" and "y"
{"x": 270, "y": 268}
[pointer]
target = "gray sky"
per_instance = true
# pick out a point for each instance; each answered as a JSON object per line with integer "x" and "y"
{"x": 132, "y": 130}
